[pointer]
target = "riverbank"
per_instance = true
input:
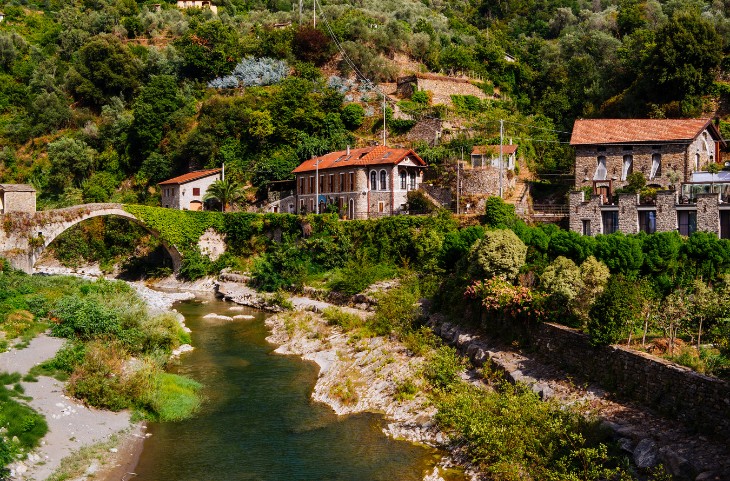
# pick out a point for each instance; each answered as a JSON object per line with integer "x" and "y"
{"x": 82, "y": 441}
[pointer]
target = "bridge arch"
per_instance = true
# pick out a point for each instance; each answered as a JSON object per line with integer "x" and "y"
{"x": 25, "y": 243}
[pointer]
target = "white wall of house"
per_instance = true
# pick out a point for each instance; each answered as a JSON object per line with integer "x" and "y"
{"x": 187, "y": 196}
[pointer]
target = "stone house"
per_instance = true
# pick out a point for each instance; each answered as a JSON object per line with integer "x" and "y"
{"x": 186, "y": 192}
{"x": 17, "y": 198}
{"x": 671, "y": 153}
{"x": 666, "y": 151}
{"x": 362, "y": 183}
{"x": 197, "y": 4}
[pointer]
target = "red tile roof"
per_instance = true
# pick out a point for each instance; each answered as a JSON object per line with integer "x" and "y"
{"x": 359, "y": 157}
{"x": 618, "y": 131}
{"x": 493, "y": 149}
{"x": 190, "y": 176}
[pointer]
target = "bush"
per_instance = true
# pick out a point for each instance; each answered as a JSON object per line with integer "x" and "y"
{"x": 356, "y": 276}
{"x": 615, "y": 311}
{"x": 337, "y": 317}
{"x": 353, "y": 116}
{"x": 500, "y": 253}
{"x": 443, "y": 369}
{"x": 498, "y": 213}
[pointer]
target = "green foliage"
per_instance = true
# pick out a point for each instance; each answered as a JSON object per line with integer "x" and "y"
{"x": 225, "y": 191}
{"x": 23, "y": 428}
{"x": 500, "y": 253}
{"x": 357, "y": 276}
{"x": 616, "y": 310}
{"x": 510, "y": 433}
{"x": 499, "y": 213}
{"x": 209, "y": 49}
{"x": 353, "y": 116}
{"x": 443, "y": 368}
{"x": 337, "y": 317}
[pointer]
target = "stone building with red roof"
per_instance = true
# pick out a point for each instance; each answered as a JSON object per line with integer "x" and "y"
{"x": 362, "y": 183}
{"x": 185, "y": 192}
{"x": 672, "y": 154}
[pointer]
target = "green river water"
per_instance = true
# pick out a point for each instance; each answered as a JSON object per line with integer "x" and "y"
{"x": 259, "y": 422}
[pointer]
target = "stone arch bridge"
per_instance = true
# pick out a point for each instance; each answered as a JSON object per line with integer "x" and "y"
{"x": 25, "y": 235}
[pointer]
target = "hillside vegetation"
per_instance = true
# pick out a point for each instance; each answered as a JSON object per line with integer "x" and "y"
{"x": 100, "y": 100}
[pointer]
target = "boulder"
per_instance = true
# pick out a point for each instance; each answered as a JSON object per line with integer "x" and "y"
{"x": 646, "y": 454}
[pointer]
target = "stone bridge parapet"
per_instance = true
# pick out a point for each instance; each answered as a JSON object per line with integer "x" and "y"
{"x": 25, "y": 235}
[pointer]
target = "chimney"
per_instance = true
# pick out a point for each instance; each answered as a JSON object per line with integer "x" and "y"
{"x": 348, "y": 150}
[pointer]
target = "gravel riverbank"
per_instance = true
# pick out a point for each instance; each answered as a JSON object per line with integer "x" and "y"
{"x": 74, "y": 427}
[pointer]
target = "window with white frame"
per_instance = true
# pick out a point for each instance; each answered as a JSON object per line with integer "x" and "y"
{"x": 383, "y": 180}
{"x": 656, "y": 166}
{"x": 600, "y": 169}
{"x": 413, "y": 181}
{"x": 373, "y": 180}
{"x": 403, "y": 180}
{"x": 628, "y": 166}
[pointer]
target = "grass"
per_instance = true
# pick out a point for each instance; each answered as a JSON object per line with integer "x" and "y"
{"x": 355, "y": 277}
{"x": 23, "y": 426}
{"x": 346, "y": 320}
{"x": 173, "y": 397}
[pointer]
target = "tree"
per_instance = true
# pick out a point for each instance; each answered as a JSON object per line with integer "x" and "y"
{"x": 225, "y": 191}
{"x": 562, "y": 278}
{"x": 499, "y": 213}
{"x": 684, "y": 60}
{"x": 72, "y": 161}
{"x": 671, "y": 314}
{"x": 353, "y": 115}
{"x": 312, "y": 45}
{"x": 615, "y": 312}
{"x": 103, "y": 68}
{"x": 595, "y": 275}
{"x": 704, "y": 305}
{"x": 153, "y": 112}
{"x": 500, "y": 253}
{"x": 209, "y": 49}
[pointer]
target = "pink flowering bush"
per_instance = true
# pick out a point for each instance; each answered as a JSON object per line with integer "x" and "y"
{"x": 504, "y": 301}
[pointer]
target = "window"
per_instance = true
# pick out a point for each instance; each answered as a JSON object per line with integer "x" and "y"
{"x": 697, "y": 161}
{"x": 656, "y": 166}
{"x": 628, "y": 166}
{"x": 351, "y": 209}
{"x": 351, "y": 175}
{"x": 321, "y": 183}
{"x": 196, "y": 191}
{"x": 687, "y": 220}
{"x": 610, "y": 221}
{"x": 647, "y": 221}
{"x": 383, "y": 180}
{"x": 586, "y": 227}
{"x": 342, "y": 182}
{"x": 381, "y": 207}
{"x": 403, "y": 180}
{"x": 301, "y": 185}
{"x": 332, "y": 183}
{"x": 600, "y": 169}
{"x": 311, "y": 184}
{"x": 413, "y": 180}
{"x": 373, "y": 180}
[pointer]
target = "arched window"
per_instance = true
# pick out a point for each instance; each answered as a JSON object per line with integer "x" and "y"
{"x": 656, "y": 166}
{"x": 373, "y": 180}
{"x": 413, "y": 181}
{"x": 628, "y": 166}
{"x": 403, "y": 181}
{"x": 697, "y": 161}
{"x": 600, "y": 169}
{"x": 383, "y": 180}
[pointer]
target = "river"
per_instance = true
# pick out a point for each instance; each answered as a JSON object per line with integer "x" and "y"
{"x": 259, "y": 422}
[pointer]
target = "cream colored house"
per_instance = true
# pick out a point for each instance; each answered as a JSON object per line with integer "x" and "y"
{"x": 17, "y": 198}
{"x": 186, "y": 191}
{"x": 197, "y": 4}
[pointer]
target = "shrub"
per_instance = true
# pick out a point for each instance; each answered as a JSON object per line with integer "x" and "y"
{"x": 615, "y": 311}
{"x": 443, "y": 369}
{"x": 397, "y": 310}
{"x": 337, "y": 317}
{"x": 356, "y": 276}
{"x": 353, "y": 116}
{"x": 251, "y": 72}
{"x": 498, "y": 213}
{"x": 499, "y": 253}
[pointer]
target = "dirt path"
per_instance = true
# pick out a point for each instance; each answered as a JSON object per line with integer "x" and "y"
{"x": 71, "y": 425}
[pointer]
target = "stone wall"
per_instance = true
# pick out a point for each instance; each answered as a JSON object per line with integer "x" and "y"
{"x": 485, "y": 181}
{"x": 708, "y": 213}
{"x": 666, "y": 214}
{"x": 581, "y": 210}
{"x": 18, "y": 202}
{"x": 628, "y": 217}
{"x": 442, "y": 195}
{"x": 676, "y": 391}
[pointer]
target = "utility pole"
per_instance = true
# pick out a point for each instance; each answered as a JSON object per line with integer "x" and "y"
{"x": 384, "y": 127}
{"x": 301, "y": 2}
{"x": 316, "y": 187}
{"x": 501, "y": 164}
{"x": 314, "y": 14}
{"x": 458, "y": 181}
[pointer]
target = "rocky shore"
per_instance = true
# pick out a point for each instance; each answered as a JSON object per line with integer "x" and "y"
{"x": 76, "y": 430}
